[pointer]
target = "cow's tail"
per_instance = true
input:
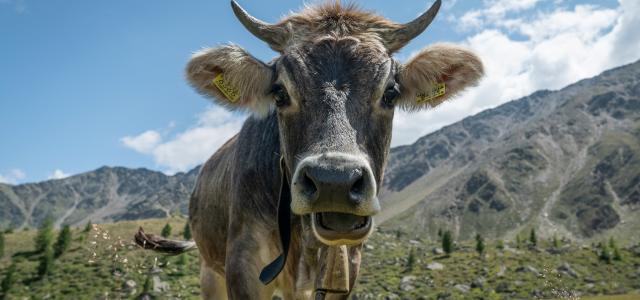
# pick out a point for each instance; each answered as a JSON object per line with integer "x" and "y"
{"x": 159, "y": 244}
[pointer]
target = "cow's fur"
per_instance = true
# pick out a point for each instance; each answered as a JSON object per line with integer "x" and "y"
{"x": 336, "y": 66}
{"x": 251, "y": 76}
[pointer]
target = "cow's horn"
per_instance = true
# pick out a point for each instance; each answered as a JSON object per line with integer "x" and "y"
{"x": 398, "y": 37}
{"x": 274, "y": 35}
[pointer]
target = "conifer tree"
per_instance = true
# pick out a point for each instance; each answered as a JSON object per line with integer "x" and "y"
{"x": 8, "y": 280}
{"x": 500, "y": 245}
{"x": 447, "y": 242}
{"x": 186, "y": 234}
{"x": 533, "y": 238}
{"x": 411, "y": 260}
{"x": 44, "y": 238}
{"x": 88, "y": 227}
{"x": 148, "y": 285}
{"x": 63, "y": 242}
{"x": 556, "y": 242}
{"x": 617, "y": 256}
{"x": 479, "y": 244}
{"x": 1, "y": 244}
{"x": 612, "y": 243}
{"x": 166, "y": 231}
{"x": 614, "y": 248}
{"x": 605, "y": 255}
{"x": 46, "y": 262}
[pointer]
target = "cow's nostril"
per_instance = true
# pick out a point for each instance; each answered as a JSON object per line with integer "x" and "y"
{"x": 309, "y": 187}
{"x": 358, "y": 186}
{"x": 357, "y": 189}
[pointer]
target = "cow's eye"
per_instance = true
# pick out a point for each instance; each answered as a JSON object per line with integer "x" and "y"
{"x": 280, "y": 95}
{"x": 390, "y": 94}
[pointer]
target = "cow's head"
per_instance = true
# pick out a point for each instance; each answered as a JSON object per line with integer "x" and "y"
{"x": 334, "y": 87}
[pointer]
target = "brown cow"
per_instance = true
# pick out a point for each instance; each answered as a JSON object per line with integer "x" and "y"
{"x": 315, "y": 145}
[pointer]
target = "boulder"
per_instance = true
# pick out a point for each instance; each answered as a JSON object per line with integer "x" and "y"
{"x": 527, "y": 269}
{"x": 566, "y": 269}
{"x": 435, "y": 266}
{"x": 462, "y": 287}
{"x": 406, "y": 283}
{"x": 159, "y": 286}
{"x": 478, "y": 283}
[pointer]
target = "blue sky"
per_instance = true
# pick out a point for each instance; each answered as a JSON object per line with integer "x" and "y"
{"x": 90, "y": 83}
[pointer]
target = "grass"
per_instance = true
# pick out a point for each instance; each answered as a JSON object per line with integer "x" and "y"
{"x": 98, "y": 264}
{"x": 101, "y": 262}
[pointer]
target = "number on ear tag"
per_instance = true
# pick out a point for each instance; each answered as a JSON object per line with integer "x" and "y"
{"x": 229, "y": 91}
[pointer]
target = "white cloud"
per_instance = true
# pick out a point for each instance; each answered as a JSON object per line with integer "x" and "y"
{"x": 58, "y": 174}
{"x": 554, "y": 49}
{"x": 13, "y": 176}
{"x": 559, "y": 48}
{"x": 494, "y": 11}
{"x": 191, "y": 147}
{"x": 144, "y": 142}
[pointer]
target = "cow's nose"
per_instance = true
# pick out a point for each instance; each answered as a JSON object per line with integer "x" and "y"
{"x": 334, "y": 184}
{"x": 346, "y": 184}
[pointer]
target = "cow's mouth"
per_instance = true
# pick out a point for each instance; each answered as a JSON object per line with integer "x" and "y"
{"x": 334, "y": 228}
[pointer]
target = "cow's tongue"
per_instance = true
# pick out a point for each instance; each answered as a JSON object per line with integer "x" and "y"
{"x": 341, "y": 222}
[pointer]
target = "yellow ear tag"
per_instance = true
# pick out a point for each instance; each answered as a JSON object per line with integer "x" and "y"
{"x": 436, "y": 91}
{"x": 230, "y": 92}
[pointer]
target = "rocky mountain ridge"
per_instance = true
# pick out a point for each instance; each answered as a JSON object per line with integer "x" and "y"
{"x": 566, "y": 162}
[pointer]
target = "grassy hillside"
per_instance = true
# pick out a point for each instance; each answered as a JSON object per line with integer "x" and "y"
{"x": 99, "y": 263}
{"x": 104, "y": 264}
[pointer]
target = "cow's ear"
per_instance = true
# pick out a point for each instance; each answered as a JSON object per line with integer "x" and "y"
{"x": 232, "y": 77}
{"x": 436, "y": 74}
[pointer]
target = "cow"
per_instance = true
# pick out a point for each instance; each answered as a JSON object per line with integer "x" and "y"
{"x": 302, "y": 176}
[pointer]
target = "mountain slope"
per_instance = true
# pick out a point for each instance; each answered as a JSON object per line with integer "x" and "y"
{"x": 566, "y": 162}
{"x": 104, "y": 195}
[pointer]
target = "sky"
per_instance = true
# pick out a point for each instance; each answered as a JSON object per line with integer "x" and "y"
{"x": 86, "y": 83}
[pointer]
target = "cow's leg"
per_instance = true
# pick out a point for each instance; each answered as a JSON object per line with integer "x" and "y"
{"x": 247, "y": 253}
{"x": 212, "y": 284}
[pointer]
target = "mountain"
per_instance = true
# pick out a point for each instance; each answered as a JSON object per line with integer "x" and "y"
{"x": 564, "y": 162}
{"x": 107, "y": 194}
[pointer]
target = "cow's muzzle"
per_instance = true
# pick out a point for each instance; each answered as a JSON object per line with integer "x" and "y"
{"x": 339, "y": 191}
{"x": 341, "y": 229}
